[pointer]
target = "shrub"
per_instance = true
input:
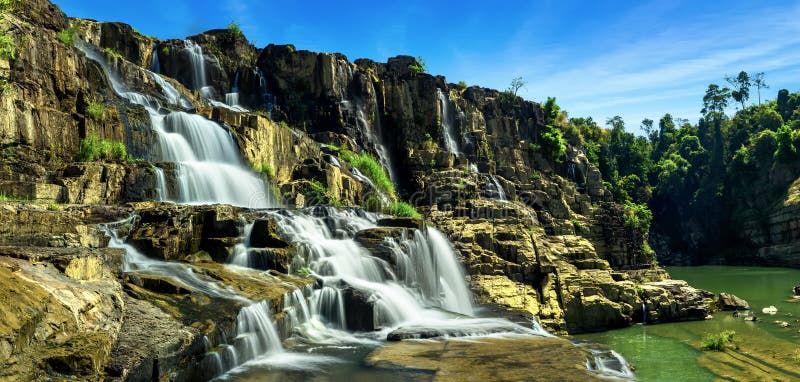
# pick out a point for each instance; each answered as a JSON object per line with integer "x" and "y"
{"x": 553, "y": 143}
{"x": 112, "y": 53}
{"x": 462, "y": 84}
{"x": 165, "y": 51}
{"x": 304, "y": 272}
{"x": 283, "y": 124}
{"x": 319, "y": 193}
{"x": 94, "y": 148}
{"x": 371, "y": 168}
{"x": 7, "y": 50}
{"x": 119, "y": 151}
{"x": 785, "y": 151}
{"x": 403, "y": 209}
{"x": 67, "y": 36}
{"x": 419, "y": 67}
{"x": 638, "y": 216}
{"x": 718, "y": 341}
{"x": 96, "y": 111}
{"x": 234, "y": 31}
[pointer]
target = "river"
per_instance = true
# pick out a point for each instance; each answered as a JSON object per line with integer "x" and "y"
{"x": 766, "y": 351}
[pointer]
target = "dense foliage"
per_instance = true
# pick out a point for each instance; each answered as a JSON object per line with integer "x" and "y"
{"x": 697, "y": 176}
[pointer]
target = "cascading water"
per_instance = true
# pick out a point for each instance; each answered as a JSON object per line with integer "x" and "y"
{"x": 256, "y": 335}
{"x": 448, "y": 123}
{"x": 425, "y": 288}
{"x": 198, "y": 64}
{"x": 644, "y": 313}
{"x": 376, "y": 136}
{"x": 372, "y": 131}
{"x": 494, "y": 189}
{"x": 155, "y": 65}
{"x": 208, "y": 167}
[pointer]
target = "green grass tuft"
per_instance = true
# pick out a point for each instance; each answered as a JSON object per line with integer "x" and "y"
{"x": 96, "y": 112}
{"x": 372, "y": 169}
{"x": 7, "y": 48}
{"x": 94, "y": 148}
{"x": 67, "y": 36}
{"x": 403, "y": 209}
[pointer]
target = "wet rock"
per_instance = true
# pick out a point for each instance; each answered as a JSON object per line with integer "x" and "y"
{"x": 727, "y": 301}
{"x": 413, "y": 223}
{"x": 151, "y": 344}
{"x": 515, "y": 359}
{"x": 279, "y": 259}
{"x": 265, "y": 234}
{"x": 359, "y": 310}
{"x": 383, "y": 242}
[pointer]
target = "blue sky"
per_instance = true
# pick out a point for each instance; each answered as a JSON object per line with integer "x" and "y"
{"x": 636, "y": 59}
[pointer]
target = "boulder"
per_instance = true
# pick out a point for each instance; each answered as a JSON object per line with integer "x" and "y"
{"x": 359, "y": 310}
{"x": 727, "y": 301}
{"x": 265, "y": 234}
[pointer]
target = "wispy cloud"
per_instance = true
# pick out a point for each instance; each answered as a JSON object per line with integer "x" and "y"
{"x": 617, "y": 71}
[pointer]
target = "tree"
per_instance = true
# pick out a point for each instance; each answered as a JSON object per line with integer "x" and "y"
{"x": 785, "y": 151}
{"x": 516, "y": 84}
{"x": 716, "y": 100}
{"x": 741, "y": 87}
{"x": 647, "y": 127}
{"x": 420, "y": 66}
{"x": 758, "y": 81}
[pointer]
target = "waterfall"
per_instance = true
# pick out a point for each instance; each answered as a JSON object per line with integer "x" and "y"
{"x": 426, "y": 287}
{"x": 372, "y": 131}
{"x": 161, "y": 184}
{"x": 209, "y": 168}
{"x": 256, "y": 335}
{"x": 571, "y": 172}
{"x": 198, "y": 64}
{"x": 448, "y": 122}
{"x": 644, "y": 313}
{"x": 155, "y": 65}
{"x": 135, "y": 261}
{"x": 268, "y": 99}
{"x": 494, "y": 190}
{"x": 376, "y": 136}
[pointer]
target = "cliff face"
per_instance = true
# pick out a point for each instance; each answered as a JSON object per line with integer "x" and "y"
{"x": 538, "y": 238}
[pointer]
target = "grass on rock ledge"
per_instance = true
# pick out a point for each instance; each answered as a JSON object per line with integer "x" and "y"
{"x": 372, "y": 169}
{"x": 94, "y": 148}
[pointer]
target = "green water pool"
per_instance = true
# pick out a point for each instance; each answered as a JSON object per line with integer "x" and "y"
{"x": 669, "y": 352}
